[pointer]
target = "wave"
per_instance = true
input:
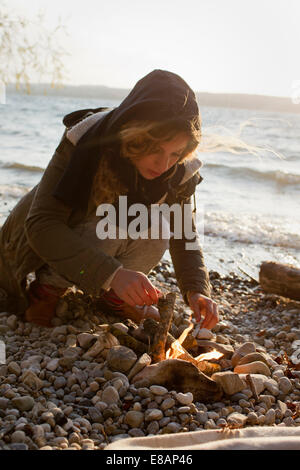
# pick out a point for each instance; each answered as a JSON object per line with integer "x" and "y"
{"x": 252, "y": 229}
{"x": 13, "y": 191}
{"x": 23, "y": 167}
{"x": 278, "y": 176}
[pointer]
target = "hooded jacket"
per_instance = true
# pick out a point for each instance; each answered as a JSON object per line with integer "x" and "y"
{"x": 39, "y": 228}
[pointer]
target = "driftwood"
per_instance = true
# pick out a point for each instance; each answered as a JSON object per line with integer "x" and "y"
{"x": 280, "y": 279}
{"x": 129, "y": 341}
{"x": 165, "y": 307}
{"x": 182, "y": 376}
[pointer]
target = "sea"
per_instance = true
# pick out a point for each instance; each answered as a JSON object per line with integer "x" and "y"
{"x": 248, "y": 205}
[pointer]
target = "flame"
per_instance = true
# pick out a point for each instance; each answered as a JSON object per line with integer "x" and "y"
{"x": 175, "y": 350}
{"x": 214, "y": 354}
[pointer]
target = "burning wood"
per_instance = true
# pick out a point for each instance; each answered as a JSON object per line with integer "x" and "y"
{"x": 177, "y": 351}
{"x": 165, "y": 307}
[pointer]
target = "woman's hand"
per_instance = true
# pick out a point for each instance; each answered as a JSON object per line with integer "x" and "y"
{"x": 203, "y": 306}
{"x": 134, "y": 288}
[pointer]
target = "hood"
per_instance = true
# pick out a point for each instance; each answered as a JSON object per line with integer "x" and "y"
{"x": 159, "y": 96}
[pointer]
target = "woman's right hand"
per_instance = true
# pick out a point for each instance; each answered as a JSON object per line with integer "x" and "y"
{"x": 134, "y": 288}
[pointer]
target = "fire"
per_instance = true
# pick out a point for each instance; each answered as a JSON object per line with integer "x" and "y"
{"x": 214, "y": 354}
{"x": 177, "y": 351}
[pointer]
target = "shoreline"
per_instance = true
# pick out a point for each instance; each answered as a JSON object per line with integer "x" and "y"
{"x": 62, "y": 404}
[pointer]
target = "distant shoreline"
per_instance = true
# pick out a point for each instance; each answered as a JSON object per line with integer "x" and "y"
{"x": 226, "y": 100}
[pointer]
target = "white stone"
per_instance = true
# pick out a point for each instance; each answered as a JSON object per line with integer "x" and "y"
{"x": 184, "y": 398}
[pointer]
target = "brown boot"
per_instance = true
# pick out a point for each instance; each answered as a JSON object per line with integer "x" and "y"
{"x": 43, "y": 299}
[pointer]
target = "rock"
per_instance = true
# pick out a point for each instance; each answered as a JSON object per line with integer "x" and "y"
{"x": 242, "y": 351}
{"x": 12, "y": 322}
{"x": 181, "y": 376}
{"x": 134, "y": 419}
{"x": 205, "y": 334}
{"x": 121, "y": 358}
{"x": 104, "y": 341}
{"x": 285, "y": 385}
{"x": 158, "y": 390}
{"x": 110, "y": 395}
{"x": 184, "y": 398}
{"x": 143, "y": 361}
{"x": 18, "y": 437}
{"x": 252, "y": 418}
{"x": 253, "y": 357}
{"x": 237, "y": 418}
{"x": 25, "y": 403}
{"x": 153, "y": 414}
{"x": 3, "y": 403}
{"x": 230, "y": 382}
{"x": 14, "y": 368}
{"x": 31, "y": 380}
{"x": 270, "y": 417}
{"x": 85, "y": 340}
{"x": 121, "y": 327}
{"x": 167, "y": 403}
{"x": 172, "y": 428}
{"x": 52, "y": 365}
{"x": 258, "y": 379}
{"x": 256, "y": 367}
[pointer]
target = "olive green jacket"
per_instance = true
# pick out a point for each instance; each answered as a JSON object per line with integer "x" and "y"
{"x": 39, "y": 231}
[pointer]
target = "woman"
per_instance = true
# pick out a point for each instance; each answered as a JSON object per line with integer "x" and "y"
{"x": 143, "y": 149}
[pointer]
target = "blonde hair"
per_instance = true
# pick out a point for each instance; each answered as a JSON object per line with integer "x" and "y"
{"x": 139, "y": 138}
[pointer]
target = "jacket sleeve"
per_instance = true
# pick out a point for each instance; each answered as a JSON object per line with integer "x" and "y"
{"x": 48, "y": 233}
{"x": 189, "y": 266}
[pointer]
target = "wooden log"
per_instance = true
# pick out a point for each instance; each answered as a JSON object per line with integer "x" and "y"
{"x": 280, "y": 279}
{"x": 165, "y": 307}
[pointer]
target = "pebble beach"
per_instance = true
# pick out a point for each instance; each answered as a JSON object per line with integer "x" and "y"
{"x": 73, "y": 386}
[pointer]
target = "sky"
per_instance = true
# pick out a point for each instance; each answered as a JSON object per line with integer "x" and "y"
{"x": 217, "y": 46}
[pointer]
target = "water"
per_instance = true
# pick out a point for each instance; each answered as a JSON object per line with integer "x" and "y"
{"x": 249, "y": 206}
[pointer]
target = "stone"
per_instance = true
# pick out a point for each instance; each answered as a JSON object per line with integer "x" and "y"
{"x": 252, "y": 418}
{"x": 12, "y": 322}
{"x": 270, "y": 417}
{"x": 110, "y": 395}
{"x": 255, "y": 367}
{"x": 52, "y": 365}
{"x": 25, "y": 403}
{"x": 158, "y": 390}
{"x": 285, "y": 385}
{"x": 242, "y": 351}
{"x": 230, "y": 382}
{"x": 167, "y": 404}
{"x": 258, "y": 380}
{"x": 253, "y": 357}
{"x": 31, "y": 380}
{"x": 120, "y": 358}
{"x": 134, "y": 419}
{"x": 14, "y": 368}
{"x": 18, "y": 437}
{"x": 204, "y": 333}
{"x": 4, "y": 402}
{"x": 143, "y": 361}
{"x": 237, "y": 418}
{"x": 184, "y": 398}
{"x": 85, "y": 340}
{"x": 153, "y": 414}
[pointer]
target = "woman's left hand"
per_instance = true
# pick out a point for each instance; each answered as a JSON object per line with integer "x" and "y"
{"x": 203, "y": 306}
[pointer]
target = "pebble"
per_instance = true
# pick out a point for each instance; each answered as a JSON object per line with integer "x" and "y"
{"x": 25, "y": 403}
{"x": 158, "y": 390}
{"x": 53, "y": 396}
{"x": 184, "y": 398}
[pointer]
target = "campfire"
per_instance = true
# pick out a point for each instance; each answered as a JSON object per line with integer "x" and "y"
{"x": 205, "y": 362}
